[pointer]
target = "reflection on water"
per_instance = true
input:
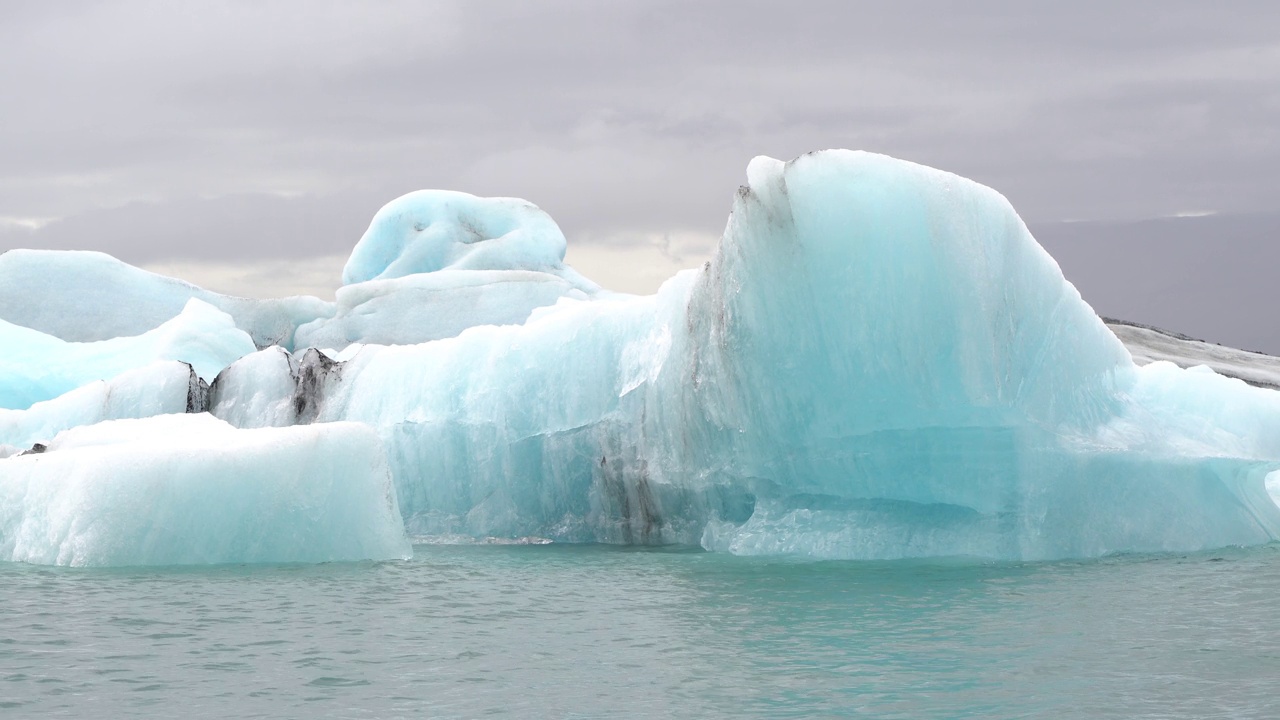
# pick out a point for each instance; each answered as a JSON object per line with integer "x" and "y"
{"x": 591, "y": 631}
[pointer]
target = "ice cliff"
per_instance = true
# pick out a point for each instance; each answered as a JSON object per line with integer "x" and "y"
{"x": 879, "y": 362}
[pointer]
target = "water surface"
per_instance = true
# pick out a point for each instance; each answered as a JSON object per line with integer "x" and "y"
{"x": 592, "y": 631}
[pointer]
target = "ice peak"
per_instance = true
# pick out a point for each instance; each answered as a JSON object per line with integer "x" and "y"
{"x": 432, "y": 230}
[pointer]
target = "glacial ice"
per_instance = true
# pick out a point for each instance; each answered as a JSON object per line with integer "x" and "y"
{"x": 36, "y": 367}
{"x": 431, "y": 264}
{"x": 433, "y": 306}
{"x": 164, "y": 387}
{"x": 190, "y": 489}
{"x": 434, "y": 263}
{"x": 81, "y": 296}
{"x": 431, "y": 230}
{"x": 878, "y": 362}
{"x": 874, "y": 341}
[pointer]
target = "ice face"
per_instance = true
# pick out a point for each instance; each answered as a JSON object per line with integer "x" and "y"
{"x": 273, "y": 388}
{"x": 37, "y": 367}
{"x": 190, "y": 489}
{"x": 257, "y": 390}
{"x": 161, "y": 388}
{"x": 879, "y": 362}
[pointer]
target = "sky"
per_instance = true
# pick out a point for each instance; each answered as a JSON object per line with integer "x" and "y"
{"x": 245, "y": 145}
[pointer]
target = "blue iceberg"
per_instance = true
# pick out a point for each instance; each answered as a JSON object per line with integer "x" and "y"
{"x": 434, "y": 263}
{"x": 878, "y": 362}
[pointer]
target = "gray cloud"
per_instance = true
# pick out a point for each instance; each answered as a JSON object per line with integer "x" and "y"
{"x": 1210, "y": 277}
{"x": 230, "y": 227}
{"x": 231, "y": 130}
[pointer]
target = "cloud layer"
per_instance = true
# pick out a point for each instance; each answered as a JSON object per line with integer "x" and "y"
{"x": 238, "y": 131}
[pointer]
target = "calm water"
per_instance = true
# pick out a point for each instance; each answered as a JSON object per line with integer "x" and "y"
{"x": 570, "y": 632}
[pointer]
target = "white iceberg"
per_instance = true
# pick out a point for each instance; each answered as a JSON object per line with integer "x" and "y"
{"x": 190, "y": 489}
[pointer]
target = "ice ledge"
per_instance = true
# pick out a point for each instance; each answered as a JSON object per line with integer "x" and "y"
{"x": 191, "y": 489}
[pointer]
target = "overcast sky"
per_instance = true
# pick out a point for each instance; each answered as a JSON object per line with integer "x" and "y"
{"x": 245, "y": 145}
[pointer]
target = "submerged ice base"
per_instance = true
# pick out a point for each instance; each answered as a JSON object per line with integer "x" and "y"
{"x": 879, "y": 362}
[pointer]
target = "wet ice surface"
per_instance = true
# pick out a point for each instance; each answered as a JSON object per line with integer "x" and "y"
{"x": 594, "y": 631}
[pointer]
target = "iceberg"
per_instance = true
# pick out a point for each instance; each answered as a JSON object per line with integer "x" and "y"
{"x": 875, "y": 343}
{"x": 431, "y": 230}
{"x": 82, "y": 296}
{"x": 190, "y": 489}
{"x": 433, "y": 306}
{"x": 878, "y": 362}
{"x": 37, "y": 367}
{"x": 164, "y": 387}
{"x": 434, "y": 263}
{"x": 431, "y": 264}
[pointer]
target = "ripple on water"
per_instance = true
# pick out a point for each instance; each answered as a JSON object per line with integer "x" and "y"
{"x": 593, "y": 631}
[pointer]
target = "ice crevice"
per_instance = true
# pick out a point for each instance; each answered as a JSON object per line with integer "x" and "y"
{"x": 878, "y": 362}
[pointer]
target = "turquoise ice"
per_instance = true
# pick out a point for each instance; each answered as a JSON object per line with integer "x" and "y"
{"x": 82, "y": 296}
{"x": 435, "y": 262}
{"x": 35, "y": 366}
{"x": 878, "y": 362}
